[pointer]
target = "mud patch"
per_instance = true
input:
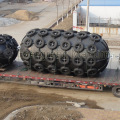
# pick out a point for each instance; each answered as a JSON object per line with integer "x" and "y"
{"x": 14, "y": 96}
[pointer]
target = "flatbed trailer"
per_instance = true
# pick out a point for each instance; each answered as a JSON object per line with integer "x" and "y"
{"x": 17, "y": 73}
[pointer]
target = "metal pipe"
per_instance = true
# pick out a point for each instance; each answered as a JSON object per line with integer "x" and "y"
{"x": 87, "y": 16}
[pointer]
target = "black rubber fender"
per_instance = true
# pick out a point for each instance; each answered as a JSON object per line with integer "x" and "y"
{"x": 92, "y": 49}
{"x": 68, "y": 34}
{"x": 78, "y": 47}
{"x": 8, "y": 53}
{"x": 25, "y": 55}
{"x": 51, "y": 58}
{"x": 95, "y": 37}
{"x": 92, "y": 72}
{"x": 52, "y": 68}
{"x": 28, "y": 42}
{"x": 56, "y": 33}
{"x": 31, "y": 33}
{"x": 82, "y": 35}
{"x": 91, "y": 61}
{"x": 38, "y": 56}
{"x": 2, "y": 40}
{"x": 43, "y": 32}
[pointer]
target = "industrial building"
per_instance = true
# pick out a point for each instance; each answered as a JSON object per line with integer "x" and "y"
{"x": 104, "y": 16}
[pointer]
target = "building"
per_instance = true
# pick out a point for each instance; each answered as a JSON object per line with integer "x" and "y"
{"x": 103, "y": 14}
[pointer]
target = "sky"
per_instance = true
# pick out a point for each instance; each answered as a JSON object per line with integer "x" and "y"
{"x": 101, "y": 3}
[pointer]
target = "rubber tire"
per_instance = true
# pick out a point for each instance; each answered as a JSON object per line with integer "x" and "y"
{"x": 52, "y": 69}
{"x": 7, "y": 37}
{"x": 95, "y": 37}
{"x": 82, "y": 35}
{"x": 59, "y": 30}
{"x": 40, "y": 54}
{"x": 2, "y": 40}
{"x": 31, "y": 33}
{"x": 39, "y": 67}
{"x": 94, "y": 72}
{"x": 68, "y": 34}
{"x": 8, "y": 53}
{"x": 89, "y": 64}
{"x": 53, "y": 58}
{"x": 26, "y": 52}
{"x": 66, "y": 57}
{"x": 29, "y": 40}
{"x": 78, "y": 47}
{"x": 114, "y": 91}
{"x": 41, "y": 41}
{"x": 63, "y": 70}
{"x": 43, "y": 32}
{"x": 55, "y": 33}
{"x": 80, "y": 59}
{"x": 27, "y": 63}
{"x": 93, "y": 48}
{"x": 63, "y": 47}
{"x": 78, "y": 72}
{"x": 54, "y": 44}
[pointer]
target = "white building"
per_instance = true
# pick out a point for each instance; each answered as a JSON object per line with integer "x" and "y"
{"x": 104, "y": 16}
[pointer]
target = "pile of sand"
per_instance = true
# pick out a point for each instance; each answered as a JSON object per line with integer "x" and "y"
{"x": 23, "y": 15}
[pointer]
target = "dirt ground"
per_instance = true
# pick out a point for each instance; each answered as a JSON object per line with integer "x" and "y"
{"x": 15, "y": 96}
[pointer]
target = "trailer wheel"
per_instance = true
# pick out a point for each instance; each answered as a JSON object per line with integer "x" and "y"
{"x": 27, "y": 42}
{"x": 31, "y": 33}
{"x": 91, "y": 49}
{"x": 55, "y": 33}
{"x": 65, "y": 45}
{"x": 116, "y": 91}
{"x": 43, "y": 32}
{"x": 39, "y": 67}
{"x": 64, "y": 59}
{"x": 95, "y": 37}
{"x": 78, "y": 61}
{"x": 79, "y": 47}
{"x": 65, "y": 70}
{"x": 38, "y": 56}
{"x": 39, "y": 43}
{"x": 2, "y": 40}
{"x": 82, "y": 35}
{"x": 51, "y": 58}
{"x": 52, "y": 44}
{"x": 90, "y": 61}
{"x": 68, "y": 34}
{"x": 51, "y": 68}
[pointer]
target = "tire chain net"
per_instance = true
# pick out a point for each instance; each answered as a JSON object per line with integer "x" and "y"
{"x": 8, "y": 50}
{"x": 65, "y": 52}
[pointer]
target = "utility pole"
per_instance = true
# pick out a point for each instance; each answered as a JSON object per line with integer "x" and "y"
{"x": 87, "y": 16}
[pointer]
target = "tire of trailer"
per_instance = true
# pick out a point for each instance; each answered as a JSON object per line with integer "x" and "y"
{"x": 52, "y": 44}
{"x": 116, "y": 91}
{"x": 39, "y": 43}
{"x": 39, "y": 67}
{"x": 28, "y": 42}
{"x": 65, "y": 70}
{"x": 65, "y": 45}
{"x": 2, "y": 40}
{"x": 78, "y": 47}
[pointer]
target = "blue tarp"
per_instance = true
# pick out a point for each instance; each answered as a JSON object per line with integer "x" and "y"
{"x": 101, "y": 3}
